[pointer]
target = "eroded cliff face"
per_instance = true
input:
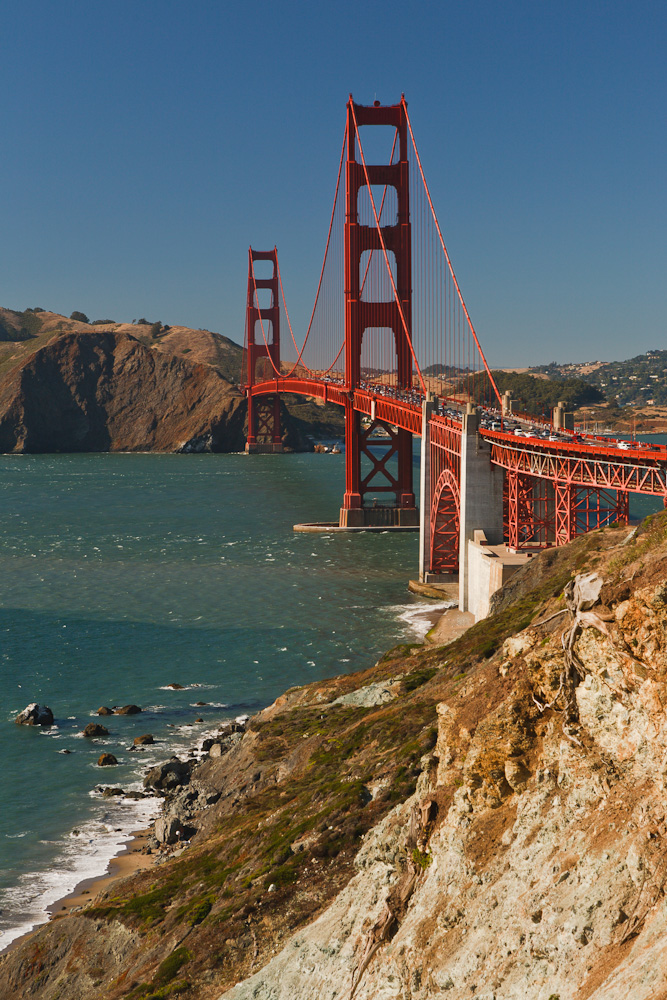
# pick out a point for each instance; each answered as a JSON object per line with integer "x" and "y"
{"x": 101, "y": 390}
{"x": 485, "y": 819}
{"x": 531, "y": 862}
{"x": 66, "y": 385}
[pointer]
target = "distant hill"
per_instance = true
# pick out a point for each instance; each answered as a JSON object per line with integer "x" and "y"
{"x": 67, "y": 384}
{"x": 21, "y": 333}
{"x": 639, "y": 381}
{"x": 539, "y": 395}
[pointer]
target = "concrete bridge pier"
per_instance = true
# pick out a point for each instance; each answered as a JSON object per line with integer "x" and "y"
{"x": 425, "y": 490}
{"x": 481, "y": 503}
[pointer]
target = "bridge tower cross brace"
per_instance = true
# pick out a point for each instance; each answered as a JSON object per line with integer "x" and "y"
{"x": 361, "y": 314}
{"x": 263, "y": 322}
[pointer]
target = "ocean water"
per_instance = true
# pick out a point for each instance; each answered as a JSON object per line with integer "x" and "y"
{"x": 122, "y": 574}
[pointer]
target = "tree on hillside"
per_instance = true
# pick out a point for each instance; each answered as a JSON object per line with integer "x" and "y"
{"x": 539, "y": 395}
{"x": 79, "y": 317}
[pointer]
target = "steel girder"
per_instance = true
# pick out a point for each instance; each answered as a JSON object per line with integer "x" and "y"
{"x": 445, "y": 522}
{"x": 600, "y": 471}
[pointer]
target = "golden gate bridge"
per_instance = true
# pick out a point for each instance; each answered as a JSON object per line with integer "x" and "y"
{"x": 391, "y": 341}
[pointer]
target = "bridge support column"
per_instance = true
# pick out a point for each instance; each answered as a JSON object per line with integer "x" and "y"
{"x": 262, "y": 338}
{"x": 425, "y": 491}
{"x": 352, "y": 499}
{"x": 371, "y": 451}
{"x": 481, "y": 498}
{"x": 376, "y": 445}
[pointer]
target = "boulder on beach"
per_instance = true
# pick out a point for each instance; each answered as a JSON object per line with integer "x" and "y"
{"x": 109, "y": 791}
{"x": 128, "y": 710}
{"x": 35, "y": 715}
{"x": 140, "y": 741}
{"x": 95, "y": 729}
{"x": 169, "y": 775}
{"x": 104, "y": 710}
{"x": 106, "y": 760}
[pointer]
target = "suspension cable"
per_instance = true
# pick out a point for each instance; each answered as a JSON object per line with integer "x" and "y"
{"x": 444, "y": 249}
{"x": 319, "y": 284}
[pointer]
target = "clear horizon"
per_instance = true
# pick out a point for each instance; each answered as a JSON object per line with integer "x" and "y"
{"x": 147, "y": 146}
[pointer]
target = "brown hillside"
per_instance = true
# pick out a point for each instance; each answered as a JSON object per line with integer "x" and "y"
{"x": 102, "y": 391}
{"x": 24, "y": 334}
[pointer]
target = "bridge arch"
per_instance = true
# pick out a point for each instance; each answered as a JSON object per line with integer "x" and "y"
{"x": 445, "y": 522}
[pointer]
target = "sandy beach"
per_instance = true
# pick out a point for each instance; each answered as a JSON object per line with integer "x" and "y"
{"x": 130, "y": 860}
{"x": 449, "y": 626}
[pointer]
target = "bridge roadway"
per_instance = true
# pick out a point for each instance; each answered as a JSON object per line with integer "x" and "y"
{"x": 576, "y": 459}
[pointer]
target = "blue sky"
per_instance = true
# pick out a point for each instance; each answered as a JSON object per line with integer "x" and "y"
{"x": 147, "y": 143}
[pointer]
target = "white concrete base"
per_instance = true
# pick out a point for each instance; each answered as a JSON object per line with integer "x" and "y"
{"x": 489, "y": 567}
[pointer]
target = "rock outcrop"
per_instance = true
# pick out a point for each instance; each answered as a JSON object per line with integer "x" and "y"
{"x": 95, "y": 729}
{"x": 166, "y": 777}
{"x": 35, "y": 715}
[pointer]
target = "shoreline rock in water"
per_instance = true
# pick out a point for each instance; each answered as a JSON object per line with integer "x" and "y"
{"x": 494, "y": 828}
{"x": 35, "y": 715}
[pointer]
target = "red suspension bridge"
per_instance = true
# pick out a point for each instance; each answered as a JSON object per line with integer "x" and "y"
{"x": 391, "y": 341}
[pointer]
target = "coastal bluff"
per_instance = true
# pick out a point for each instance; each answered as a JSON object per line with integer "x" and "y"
{"x": 485, "y": 818}
{"x": 73, "y": 386}
{"x": 106, "y": 391}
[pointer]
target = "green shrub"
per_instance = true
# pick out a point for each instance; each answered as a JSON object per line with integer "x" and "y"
{"x": 418, "y": 677}
{"x": 421, "y": 858}
{"x": 199, "y": 912}
{"x": 171, "y": 966}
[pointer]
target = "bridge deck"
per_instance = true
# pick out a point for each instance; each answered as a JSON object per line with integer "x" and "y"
{"x": 582, "y": 460}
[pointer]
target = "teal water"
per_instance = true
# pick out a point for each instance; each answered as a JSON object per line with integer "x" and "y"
{"x": 121, "y": 574}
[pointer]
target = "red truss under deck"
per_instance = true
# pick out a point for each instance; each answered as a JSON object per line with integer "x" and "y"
{"x": 582, "y": 464}
{"x": 557, "y": 491}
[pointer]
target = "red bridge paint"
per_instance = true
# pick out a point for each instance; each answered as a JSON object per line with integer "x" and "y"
{"x": 388, "y": 278}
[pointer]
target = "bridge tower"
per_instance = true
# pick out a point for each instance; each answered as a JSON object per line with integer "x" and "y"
{"x": 263, "y": 356}
{"x": 358, "y": 509}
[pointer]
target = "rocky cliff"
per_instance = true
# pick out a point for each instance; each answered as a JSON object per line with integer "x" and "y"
{"x": 106, "y": 391}
{"x": 485, "y": 819}
{"x": 66, "y": 385}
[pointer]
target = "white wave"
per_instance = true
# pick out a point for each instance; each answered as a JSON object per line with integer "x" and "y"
{"x": 83, "y": 854}
{"x": 419, "y": 618}
{"x": 188, "y": 687}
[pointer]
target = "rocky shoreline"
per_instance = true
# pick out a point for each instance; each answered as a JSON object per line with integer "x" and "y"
{"x": 484, "y": 818}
